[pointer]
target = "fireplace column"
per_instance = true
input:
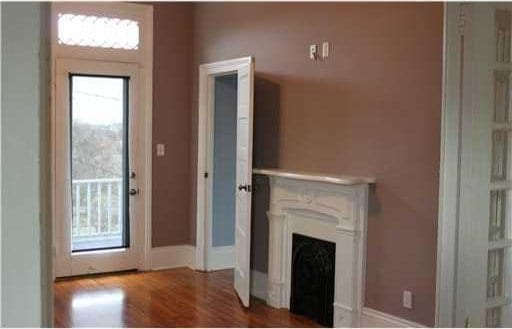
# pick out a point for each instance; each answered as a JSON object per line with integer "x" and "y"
{"x": 276, "y": 296}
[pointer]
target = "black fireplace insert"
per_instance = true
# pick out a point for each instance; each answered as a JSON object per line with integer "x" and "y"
{"x": 312, "y": 286}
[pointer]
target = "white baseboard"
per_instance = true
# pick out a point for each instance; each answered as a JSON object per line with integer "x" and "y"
{"x": 371, "y": 318}
{"x": 259, "y": 285}
{"x": 376, "y": 319}
{"x": 221, "y": 258}
{"x": 172, "y": 256}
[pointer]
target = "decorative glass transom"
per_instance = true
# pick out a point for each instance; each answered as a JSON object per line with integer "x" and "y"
{"x": 95, "y": 31}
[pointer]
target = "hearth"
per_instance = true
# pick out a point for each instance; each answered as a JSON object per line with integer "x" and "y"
{"x": 312, "y": 286}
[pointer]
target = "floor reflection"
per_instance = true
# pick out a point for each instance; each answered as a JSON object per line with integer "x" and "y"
{"x": 173, "y": 298}
{"x": 98, "y": 308}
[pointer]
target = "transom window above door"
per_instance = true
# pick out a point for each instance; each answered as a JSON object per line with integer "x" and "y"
{"x": 96, "y": 31}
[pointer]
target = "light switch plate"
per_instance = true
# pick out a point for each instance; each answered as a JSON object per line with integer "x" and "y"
{"x": 313, "y": 52}
{"x": 407, "y": 299}
{"x": 325, "y": 49}
{"x": 160, "y": 150}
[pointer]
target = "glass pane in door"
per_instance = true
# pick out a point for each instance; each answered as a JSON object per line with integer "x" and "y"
{"x": 501, "y": 96}
{"x": 500, "y": 139}
{"x": 495, "y": 262}
{"x": 498, "y": 203}
{"x": 503, "y": 28}
{"x": 99, "y": 156}
{"x": 493, "y": 317}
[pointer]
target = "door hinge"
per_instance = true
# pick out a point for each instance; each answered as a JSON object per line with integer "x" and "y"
{"x": 206, "y": 174}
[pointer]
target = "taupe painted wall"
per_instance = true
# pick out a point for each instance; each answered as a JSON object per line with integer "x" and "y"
{"x": 171, "y": 123}
{"x": 373, "y": 108}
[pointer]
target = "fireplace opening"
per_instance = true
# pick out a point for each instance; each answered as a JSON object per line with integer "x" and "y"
{"x": 312, "y": 284}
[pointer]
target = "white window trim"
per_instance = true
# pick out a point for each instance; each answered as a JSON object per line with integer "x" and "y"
{"x": 143, "y": 56}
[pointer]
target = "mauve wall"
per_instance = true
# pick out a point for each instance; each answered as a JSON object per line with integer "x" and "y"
{"x": 373, "y": 108}
{"x": 171, "y": 123}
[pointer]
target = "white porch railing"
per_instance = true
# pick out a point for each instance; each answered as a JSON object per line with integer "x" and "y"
{"x": 97, "y": 210}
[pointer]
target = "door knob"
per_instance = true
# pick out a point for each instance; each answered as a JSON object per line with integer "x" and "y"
{"x": 133, "y": 191}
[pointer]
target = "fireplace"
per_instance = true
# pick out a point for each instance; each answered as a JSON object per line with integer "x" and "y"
{"x": 324, "y": 209}
{"x": 312, "y": 282}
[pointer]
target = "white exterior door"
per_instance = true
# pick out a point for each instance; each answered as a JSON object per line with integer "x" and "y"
{"x": 484, "y": 269}
{"x": 98, "y": 212}
{"x": 244, "y": 181}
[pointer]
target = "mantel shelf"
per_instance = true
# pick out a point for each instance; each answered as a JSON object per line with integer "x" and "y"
{"x": 316, "y": 177}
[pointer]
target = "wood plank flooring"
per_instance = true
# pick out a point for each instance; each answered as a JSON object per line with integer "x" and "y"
{"x": 173, "y": 298}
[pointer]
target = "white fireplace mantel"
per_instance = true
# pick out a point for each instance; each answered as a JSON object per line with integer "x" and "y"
{"x": 328, "y": 207}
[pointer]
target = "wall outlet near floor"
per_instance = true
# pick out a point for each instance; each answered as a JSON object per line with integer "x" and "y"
{"x": 160, "y": 150}
{"x": 407, "y": 299}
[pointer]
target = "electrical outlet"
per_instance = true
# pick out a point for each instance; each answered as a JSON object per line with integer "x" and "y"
{"x": 160, "y": 150}
{"x": 407, "y": 299}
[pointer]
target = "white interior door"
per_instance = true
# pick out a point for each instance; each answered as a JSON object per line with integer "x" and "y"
{"x": 97, "y": 211}
{"x": 484, "y": 264}
{"x": 244, "y": 181}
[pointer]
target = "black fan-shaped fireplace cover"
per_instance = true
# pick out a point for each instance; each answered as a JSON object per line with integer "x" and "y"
{"x": 312, "y": 286}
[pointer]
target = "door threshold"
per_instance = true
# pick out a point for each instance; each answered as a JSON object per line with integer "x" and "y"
{"x": 96, "y": 275}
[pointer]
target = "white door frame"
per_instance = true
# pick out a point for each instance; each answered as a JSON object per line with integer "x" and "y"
{"x": 207, "y": 74}
{"x": 143, "y": 57}
{"x": 66, "y": 262}
{"x": 449, "y": 177}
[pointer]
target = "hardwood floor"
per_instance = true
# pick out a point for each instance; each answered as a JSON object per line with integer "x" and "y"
{"x": 173, "y": 298}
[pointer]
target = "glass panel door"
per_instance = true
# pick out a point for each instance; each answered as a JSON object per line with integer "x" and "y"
{"x": 484, "y": 262}
{"x": 498, "y": 291}
{"x": 99, "y": 162}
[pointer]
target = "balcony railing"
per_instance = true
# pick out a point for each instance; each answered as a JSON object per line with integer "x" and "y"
{"x": 97, "y": 213}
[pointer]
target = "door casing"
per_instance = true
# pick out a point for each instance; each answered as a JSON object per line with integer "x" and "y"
{"x": 143, "y": 58}
{"x": 450, "y": 161}
{"x": 66, "y": 262}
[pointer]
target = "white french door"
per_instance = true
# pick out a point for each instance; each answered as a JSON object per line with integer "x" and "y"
{"x": 97, "y": 220}
{"x": 484, "y": 269}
